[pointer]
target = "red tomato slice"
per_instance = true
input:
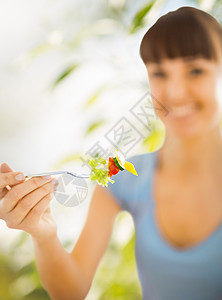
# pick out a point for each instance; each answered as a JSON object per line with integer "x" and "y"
{"x": 113, "y": 169}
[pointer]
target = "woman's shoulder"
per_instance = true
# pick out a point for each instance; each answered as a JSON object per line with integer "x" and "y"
{"x": 129, "y": 188}
{"x": 143, "y": 162}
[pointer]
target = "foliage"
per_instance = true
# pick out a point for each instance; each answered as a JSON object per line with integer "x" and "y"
{"x": 116, "y": 276}
{"x": 94, "y": 97}
{"x": 19, "y": 282}
{"x": 138, "y": 20}
{"x": 156, "y": 137}
{"x": 95, "y": 125}
{"x": 67, "y": 71}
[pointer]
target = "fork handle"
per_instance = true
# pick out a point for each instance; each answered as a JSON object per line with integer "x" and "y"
{"x": 56, "y": 173}
{"x": 45, "y": 174}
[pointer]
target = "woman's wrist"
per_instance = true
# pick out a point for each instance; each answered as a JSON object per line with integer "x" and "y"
{"x": 45, "y": 240}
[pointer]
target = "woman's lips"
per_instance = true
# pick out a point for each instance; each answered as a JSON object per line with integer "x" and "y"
{"x": 182, "y": 110}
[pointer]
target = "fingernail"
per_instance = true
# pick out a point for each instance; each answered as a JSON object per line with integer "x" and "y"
{"x": 55, "y": 181}
{"x": 47, "y": 177}
{"x": 52, "y": 195}
{"x": 20, "y": 177}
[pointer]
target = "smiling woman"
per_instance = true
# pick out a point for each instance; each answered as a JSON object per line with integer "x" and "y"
{"x": 187, "y": 88}
{"x": 182, "y": 53}
{"x": 175, "y": 201}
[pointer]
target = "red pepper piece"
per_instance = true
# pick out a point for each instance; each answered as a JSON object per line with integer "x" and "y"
{"x": 113, "y": 169}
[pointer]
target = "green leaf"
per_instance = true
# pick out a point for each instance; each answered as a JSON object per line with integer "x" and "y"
{"x": 139, "y": 17}
{"x": 155, "y": 138}
{"x": 40, "y": 49}
{"x": 94, "y": 126}
{"x": 65, "y": 73}
{"x": 100, "y": 174}
{"x": 94, "y": 97}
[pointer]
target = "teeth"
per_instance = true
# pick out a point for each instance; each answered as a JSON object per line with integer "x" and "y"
{"x": 182, "y": 110}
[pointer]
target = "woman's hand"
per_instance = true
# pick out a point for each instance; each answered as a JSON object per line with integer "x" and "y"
{"x": 25, "y": 205}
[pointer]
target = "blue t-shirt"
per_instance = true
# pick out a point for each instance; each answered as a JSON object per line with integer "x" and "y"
{"x": 165, "y": 272}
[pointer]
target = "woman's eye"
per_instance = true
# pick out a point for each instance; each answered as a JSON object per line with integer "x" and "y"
{"x": 196, "y": 71}
{"x": 159, "y": 74}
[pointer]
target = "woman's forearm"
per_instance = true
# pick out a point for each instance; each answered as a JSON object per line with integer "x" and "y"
{"x": 59, "y": 272}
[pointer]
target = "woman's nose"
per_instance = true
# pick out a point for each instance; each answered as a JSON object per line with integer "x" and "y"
{"x": 176, "y": 89}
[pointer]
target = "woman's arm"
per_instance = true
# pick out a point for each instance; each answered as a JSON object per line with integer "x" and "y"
{"x": 96, "y": 233}
{"x": 68, "y": 276}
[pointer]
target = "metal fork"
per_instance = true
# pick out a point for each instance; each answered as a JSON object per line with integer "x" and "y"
{"x": 56, "y": 173}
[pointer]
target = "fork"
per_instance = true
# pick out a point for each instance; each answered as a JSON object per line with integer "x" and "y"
{"x": 56, "y": 173}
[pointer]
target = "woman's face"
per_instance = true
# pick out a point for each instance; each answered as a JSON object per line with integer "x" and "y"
{"x": 191, "y": 91}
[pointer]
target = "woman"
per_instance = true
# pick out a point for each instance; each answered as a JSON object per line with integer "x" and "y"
{"x": 175, "y": 201}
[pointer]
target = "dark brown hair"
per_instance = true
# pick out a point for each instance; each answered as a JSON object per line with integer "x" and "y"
{"x": 187, "y": 31}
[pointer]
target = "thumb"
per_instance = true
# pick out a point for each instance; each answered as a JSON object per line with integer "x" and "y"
{"x": 4, "y": 168}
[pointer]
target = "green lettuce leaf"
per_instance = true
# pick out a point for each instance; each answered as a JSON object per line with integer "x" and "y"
{"x": 99, "y": 171}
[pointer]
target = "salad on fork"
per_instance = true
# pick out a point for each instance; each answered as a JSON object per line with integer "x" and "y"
{"x": 101, "y": 169}
{"x": 109, "y": 168}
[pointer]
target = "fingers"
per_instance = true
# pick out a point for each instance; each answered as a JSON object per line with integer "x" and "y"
{"x": 20, "y": 191}
{"x": 4, "y": 168}
{"x": 10, "y": 178}
{"x": 33, "y": 203}
{"x": 38, "y": 210}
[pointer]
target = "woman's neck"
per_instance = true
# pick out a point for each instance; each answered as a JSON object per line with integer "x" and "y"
{"x": 201, "y": 154}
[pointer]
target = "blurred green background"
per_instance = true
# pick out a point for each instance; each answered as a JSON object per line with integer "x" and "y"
{"x": 69, "y": 71}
